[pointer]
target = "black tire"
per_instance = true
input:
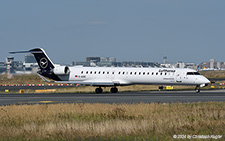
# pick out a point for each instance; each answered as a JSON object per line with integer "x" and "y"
{"x": 114, "y": 90}
{"x": 98, "y": 90}
{"x": 197, "y": 89}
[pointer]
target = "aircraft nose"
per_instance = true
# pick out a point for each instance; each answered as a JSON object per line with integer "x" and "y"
{"x": 206, "y": 81}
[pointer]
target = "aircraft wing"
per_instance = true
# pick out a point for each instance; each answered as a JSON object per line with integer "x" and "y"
{"x": 97, "y": 82}
{"x": 106, "y": 83}
{"x": 91, "y": 82}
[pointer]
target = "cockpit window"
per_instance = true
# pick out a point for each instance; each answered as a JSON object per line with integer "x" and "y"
{"x": 193, "y": 73}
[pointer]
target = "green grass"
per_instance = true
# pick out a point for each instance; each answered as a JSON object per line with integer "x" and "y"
{"x": 21, "y": 79}
{"x": 111, "y": 121}
{"x": 214, "y": 74}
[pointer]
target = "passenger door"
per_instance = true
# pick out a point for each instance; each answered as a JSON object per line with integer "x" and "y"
{"x": 178, "y": 77}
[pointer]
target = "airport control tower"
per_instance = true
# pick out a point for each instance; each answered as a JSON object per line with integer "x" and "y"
{"x": 9, "y": 60}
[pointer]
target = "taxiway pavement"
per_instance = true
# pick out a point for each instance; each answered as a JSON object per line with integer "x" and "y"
{"x": 121, "y": 97}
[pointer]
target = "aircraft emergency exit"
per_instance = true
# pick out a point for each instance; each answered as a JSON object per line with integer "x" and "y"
{"x": 114, "y": 76}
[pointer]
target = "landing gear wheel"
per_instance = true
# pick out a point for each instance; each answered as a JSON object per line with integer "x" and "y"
{"x": 114, "y": 90}
{"x": 197, "y": 89}
{"x": 98, "y": 90}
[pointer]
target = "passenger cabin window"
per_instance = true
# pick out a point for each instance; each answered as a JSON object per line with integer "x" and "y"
{"x": 193, "y": 73}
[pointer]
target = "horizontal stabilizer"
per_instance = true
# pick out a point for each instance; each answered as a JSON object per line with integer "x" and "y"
{"x": 30, "y": 51}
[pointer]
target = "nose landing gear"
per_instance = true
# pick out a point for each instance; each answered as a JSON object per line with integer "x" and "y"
{"x": 197, "y": 88}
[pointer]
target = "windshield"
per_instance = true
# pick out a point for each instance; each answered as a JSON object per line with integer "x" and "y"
{"x": 193, "y": 73}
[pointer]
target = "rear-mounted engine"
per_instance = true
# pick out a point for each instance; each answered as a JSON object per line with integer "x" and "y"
{"x": 61, "y": 70}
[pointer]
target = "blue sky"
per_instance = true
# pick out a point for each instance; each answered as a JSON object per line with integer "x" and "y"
{"x": 144, "y": 30}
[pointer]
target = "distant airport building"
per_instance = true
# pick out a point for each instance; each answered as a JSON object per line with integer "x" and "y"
{"x": 191, "y": 66}
{"x": 30, "y": 64}
{"x": 80, "y": 63}
{"x": 168, "y": 65}
{"x": 2, "y": 67}
{"x": 107, "y": 59}
{"x": 17, "y": 66}
{"x": 135, "y": 64}
{"x": 204, "y": 65}
{"x": 29, "y": 58}
{"x": 165, "y": 61}
{"x": 97, "y": 61}
{"x": 180, "y": 64}
{"x": 219, "y": 65}
{"x": 111, "y": 61}
{"x": 93, "y": 59}
{"x": 212, "y": 65}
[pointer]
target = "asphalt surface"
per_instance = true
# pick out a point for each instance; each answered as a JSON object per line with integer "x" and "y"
{"x": 17, "y": 88}
{"x": 120, "y": 97}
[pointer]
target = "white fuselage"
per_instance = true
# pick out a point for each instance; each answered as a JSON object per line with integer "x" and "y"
{"x": 113, "y": 76}
{"x": 130, "y": 76}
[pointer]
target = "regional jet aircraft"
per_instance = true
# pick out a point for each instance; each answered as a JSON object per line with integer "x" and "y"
{"x": 114, "y": 76}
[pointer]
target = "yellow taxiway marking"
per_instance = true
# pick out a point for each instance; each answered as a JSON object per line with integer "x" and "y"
{"x": 45, "y": 90}
{"x": 46, "y": 101}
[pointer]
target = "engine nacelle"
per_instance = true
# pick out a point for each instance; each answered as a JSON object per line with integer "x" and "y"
{"x": 61, "y": 70}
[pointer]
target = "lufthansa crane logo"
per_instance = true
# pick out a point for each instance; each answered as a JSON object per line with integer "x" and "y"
{"x": 43, "y": 63}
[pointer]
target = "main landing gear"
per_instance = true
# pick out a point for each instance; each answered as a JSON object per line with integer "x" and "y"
{"x": 197, "y": 89}
{"x": 112, "y": 90}
{"x": 98, "y": 90}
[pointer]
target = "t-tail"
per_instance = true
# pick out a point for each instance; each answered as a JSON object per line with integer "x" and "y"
{"x": 45, "y": 64}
